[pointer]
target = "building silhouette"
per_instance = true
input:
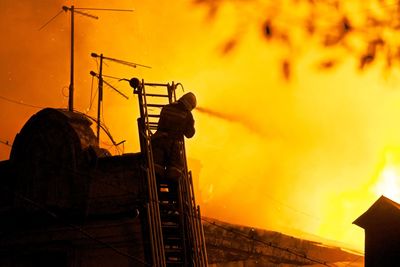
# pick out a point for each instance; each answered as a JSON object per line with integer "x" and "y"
{"x": 381, "y": 223}
{"x": 67, "y": 202}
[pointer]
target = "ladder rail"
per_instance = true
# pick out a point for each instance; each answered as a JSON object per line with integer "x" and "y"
{"x": 182, "y": 221}
{"x": 193, "y": 228}
{"x": 195, "y": 222}
{"x": 157, "y": 246}
{"x": 153, "y": 186}
{"x": 188, "y": 216}
{"x": 151, "y": 214}
{"x": 202, "y": 240}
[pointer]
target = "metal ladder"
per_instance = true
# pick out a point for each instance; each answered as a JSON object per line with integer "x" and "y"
{"x": 174, "y": 221}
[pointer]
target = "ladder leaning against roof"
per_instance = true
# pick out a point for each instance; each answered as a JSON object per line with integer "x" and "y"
{"x": 174, "y": 221}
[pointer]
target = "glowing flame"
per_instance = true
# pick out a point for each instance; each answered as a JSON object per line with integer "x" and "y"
{"x": 389, "y": 183}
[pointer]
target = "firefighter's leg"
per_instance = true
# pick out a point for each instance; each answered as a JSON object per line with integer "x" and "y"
{"x": 174, "y": 168}
{"x": 158, "y": 149}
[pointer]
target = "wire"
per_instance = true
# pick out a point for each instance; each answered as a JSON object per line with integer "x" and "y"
{"x": 72, "y": 171}
{"x": 102, "y": 126}
{"x": 265, "y": 243}
{"x": 127, "y": 63}
{"x": 105, "y": 126}
{"x": 113, "y": 77}
{"x": 105, "y": 129}
{"x": 50, "y": 20}
{"x": 251, "y": 254}
{"x": 76, "y": 227}
{"x": 293, "y": 208}
{"x": 241, "y": 234}
{"x": 287, "y": 250}
{"x": 92, "y": 98}
{"x": 19, "y": 102}
{"x": 111, "y": 146}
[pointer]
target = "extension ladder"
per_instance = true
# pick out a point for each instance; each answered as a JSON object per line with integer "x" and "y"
{"x": 174, "y": 220}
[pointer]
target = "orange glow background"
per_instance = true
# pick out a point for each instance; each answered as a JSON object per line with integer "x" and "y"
{"x": 304, "y": 157}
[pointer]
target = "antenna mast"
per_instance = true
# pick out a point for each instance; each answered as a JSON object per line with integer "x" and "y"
{"x": 71, "y": 83}
{"x": 73, "y": 10}
{"x": 101, "y": 81}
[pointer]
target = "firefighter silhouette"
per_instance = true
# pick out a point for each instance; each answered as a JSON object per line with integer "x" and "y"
{"x": 176, "y": 121}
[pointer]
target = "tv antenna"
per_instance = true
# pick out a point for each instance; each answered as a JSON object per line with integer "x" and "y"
{"x": 72, "y": 9}
{"x": 100, "y": 75}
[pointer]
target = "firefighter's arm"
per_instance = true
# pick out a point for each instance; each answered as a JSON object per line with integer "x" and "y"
{"x": 190, "y": 131}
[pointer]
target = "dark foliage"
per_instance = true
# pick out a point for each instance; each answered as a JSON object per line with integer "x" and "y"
{"x": 365, "y": 30}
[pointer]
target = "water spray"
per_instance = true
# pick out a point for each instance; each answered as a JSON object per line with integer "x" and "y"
{"x": 233, "y": 118}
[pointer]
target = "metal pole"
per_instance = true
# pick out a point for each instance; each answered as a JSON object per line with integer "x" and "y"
{"x": 71, "y": 84}
{"x": 100, "y": 98}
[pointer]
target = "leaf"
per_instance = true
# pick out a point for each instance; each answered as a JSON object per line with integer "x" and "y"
{"x": 341, "y": 32}
{"x": 370, "y": 55}
{"x": 286, "y": 69}
{"x": 267, "y": 29}
{"x": 229, "y": 46}
{"x": 327, "y": 64}
{"x": 310, "y": 26}
{"x": 389, "y": 60}
{"x": 365, "y": 60}
{"x": 346, "y": 25}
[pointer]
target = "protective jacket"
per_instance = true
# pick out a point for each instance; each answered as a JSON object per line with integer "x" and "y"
{"x": 176, "y": 121}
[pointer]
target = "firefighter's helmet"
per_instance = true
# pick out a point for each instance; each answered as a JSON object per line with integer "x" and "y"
{"x": 189, "y": 101}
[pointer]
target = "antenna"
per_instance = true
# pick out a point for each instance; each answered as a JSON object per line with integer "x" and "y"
{"x": 71, "y": 83}
{"x": 100, "y": 85}
{"x": 76, "y": 10}
{"x": 100, "y": 98}
{"x": 123, "y": 62}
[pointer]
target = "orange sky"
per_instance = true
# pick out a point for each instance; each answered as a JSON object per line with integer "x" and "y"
{"x": 304, "y": 156}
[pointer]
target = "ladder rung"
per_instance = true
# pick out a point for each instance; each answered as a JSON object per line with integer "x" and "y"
{"x": 153, "y": 115}
{"x": 169, "y": 223}
{"x": 174, "y": 251}
{"x": 155, "y": 105}
{"x": 174, "y": 246}
{"x": 157, "y": 84}
{"x": 157, "y": 95}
